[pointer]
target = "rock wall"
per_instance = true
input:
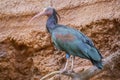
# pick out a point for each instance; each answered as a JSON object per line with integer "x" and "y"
{"x": 26, "y": 50}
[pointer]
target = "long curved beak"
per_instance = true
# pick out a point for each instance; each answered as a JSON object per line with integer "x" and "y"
{"x": 36, "y": 16}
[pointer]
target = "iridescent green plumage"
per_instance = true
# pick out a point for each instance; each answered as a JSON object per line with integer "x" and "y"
{"x": 77, "y": 45}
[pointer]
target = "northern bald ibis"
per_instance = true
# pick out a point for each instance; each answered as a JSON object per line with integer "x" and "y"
{"x": 70, "y": 40}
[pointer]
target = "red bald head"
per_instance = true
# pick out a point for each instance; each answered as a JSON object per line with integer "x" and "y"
{"x": 46, "y": 12}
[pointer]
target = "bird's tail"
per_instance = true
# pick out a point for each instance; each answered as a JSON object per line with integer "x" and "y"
{"x": 98, "y": 64}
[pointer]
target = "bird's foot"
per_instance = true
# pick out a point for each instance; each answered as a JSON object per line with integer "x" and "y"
{"x": 63, "y": 71}
{"x": 66, "y": 71}
{"x": 70, "y": 71}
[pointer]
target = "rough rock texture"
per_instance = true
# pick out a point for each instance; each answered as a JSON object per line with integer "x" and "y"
{"x": 26, "y": 51}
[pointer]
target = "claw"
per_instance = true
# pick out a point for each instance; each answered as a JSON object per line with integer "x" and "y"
{"x": 63, "y": 71}
{"x": 70, "y": 71}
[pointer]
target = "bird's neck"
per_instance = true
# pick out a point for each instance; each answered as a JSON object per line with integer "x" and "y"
{"x": 51, "y": 22}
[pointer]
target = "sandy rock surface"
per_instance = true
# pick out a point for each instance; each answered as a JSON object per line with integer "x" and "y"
{"x": 26, "y": 50}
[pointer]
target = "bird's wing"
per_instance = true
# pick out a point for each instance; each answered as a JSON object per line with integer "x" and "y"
{"x": 76, "y": 33}
{"x": 82, "y": 37}
{"x": 86, "y": 40}
{"x": 69, "y": 39}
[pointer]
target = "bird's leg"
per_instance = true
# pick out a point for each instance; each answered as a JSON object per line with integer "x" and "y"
{"x": 72, "y": 59}
{"x": 65, "y": 65}
{"x": 67, "y": 57}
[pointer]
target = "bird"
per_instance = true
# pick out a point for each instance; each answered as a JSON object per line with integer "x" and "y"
{"x": 72, "y": 41}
